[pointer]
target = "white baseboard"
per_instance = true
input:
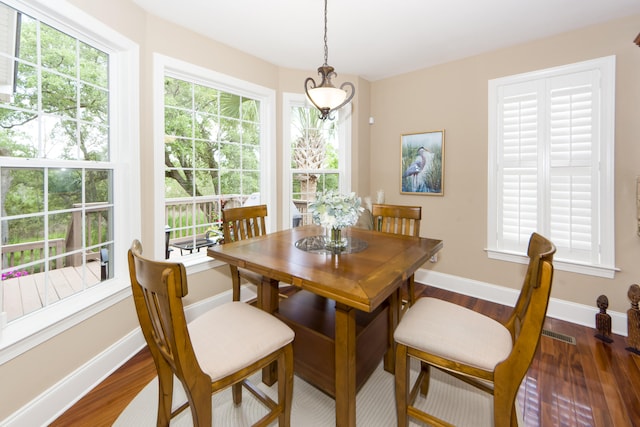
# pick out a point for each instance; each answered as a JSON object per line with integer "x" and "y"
{"x": 45, "y": 408}
{"x": 52, "y": 403}
{"x": 558, "y": 309}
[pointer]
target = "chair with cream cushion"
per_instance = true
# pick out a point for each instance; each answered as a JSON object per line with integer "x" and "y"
{"x": 220, "y": 348}
{"x": 239, "y": 224}
{"x": 476, "y": 349}
{"x": 399, "y": 219}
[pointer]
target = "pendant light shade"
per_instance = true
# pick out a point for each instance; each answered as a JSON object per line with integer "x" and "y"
{"x": 325, "y": 96}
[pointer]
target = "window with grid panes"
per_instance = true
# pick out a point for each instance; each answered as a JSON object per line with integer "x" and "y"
{"x": 68, "y": 169}
{"x": 215, "y": 153}
{"x": 316, "y": 154}
{"x": 56, "y": 196}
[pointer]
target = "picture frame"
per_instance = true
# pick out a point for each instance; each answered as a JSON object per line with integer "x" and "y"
{"x": 422, "y": 163}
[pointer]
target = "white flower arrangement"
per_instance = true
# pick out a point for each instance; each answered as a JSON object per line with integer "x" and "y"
{"x": 334, "y": 210}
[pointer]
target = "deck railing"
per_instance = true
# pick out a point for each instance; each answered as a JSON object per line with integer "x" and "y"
{"x": 96, "y": 230}
{"x": 30, "y": 253}
{"x": 178, "y": 214}
{"x": 303, "y": 208}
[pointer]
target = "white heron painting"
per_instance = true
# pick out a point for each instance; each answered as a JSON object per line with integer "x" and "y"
{"x": 422, "y": 161}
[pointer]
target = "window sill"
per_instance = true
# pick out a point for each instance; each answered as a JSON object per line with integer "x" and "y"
{"x": 562, "y": 265}
{"x": 195, "y": 263}
{"x": 31, "y": 330}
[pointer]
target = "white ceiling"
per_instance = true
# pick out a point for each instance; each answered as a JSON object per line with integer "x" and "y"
{"x": 375, "y": 39}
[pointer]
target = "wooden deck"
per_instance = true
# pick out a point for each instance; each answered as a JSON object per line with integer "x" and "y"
{"x": 23, "y": 295}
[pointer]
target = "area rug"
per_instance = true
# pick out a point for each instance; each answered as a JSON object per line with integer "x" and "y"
{"x": 448, "y": 398}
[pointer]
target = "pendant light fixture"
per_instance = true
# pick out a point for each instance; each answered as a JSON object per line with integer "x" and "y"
{"x": 326, "y": 97}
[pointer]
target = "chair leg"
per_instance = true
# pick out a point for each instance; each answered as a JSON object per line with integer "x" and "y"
{"x": 503, "y": 409}
{"x": 412, "y": 290}
{"x": 410, "y": 286}
{"x": 514, "y": 415}
{"x": 285, "y": 385}
{"x": 200, "y": 401}
{"x": 402, "y": 384}
{"x": 426, "y": 379}
{"x": 236, "y": 392}
{"x": 165, "y": 391}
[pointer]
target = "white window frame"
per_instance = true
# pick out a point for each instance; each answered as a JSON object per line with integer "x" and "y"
{"x": 30, "y": 330}
{"x": 162, "y": 65}
{"x": 344, "y": 152}
{"x": 604, "y": 228}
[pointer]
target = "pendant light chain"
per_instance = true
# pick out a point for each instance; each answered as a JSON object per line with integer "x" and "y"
{"x": 326, "y": 48}
{"x": 325, "y": 96}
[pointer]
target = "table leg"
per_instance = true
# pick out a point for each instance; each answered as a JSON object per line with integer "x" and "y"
{"x": 345, "y": 366}
{"x": 395, "y": 308}
{"x": 235, "y": 282}
{"x": 268, "y": 301}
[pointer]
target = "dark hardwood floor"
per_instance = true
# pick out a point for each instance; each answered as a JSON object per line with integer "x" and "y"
{"x": 587, "y": 384}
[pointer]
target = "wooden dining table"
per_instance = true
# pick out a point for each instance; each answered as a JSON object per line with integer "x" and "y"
{"x": 359, "y": 281}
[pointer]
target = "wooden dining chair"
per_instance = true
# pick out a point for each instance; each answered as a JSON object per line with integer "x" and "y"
{"x": 220, "y": 348}
{"x": 240, "y": 224}
{"x": 398, "y": 219}
{"x": 472, "y": 347}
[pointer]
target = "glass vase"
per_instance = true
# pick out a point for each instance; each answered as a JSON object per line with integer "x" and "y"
{"x": 334, "y": 240}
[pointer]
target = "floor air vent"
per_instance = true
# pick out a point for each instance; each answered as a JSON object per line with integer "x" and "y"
{"x": 560, "y": 337}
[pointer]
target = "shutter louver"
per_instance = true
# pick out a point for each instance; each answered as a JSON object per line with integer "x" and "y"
{"x": 519, "y": 173}
{"x": 573, "y": 196}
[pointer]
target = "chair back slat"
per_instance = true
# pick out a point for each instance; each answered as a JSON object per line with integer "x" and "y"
{"x": 397, "y": 219}
{"x": 158, "y": 288}
{"x": 244, "y": 223}
{"x": 527, "y": 319}
{"x": 239, "y": 224}
{"x": 540, "y": 250}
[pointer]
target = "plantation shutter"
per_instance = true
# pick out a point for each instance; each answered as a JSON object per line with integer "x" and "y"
{"x": 547, "y": 164}
{"x": 552, "y": 165}
{"x": 573, "y": 164}
{"x": 519, "y": 172}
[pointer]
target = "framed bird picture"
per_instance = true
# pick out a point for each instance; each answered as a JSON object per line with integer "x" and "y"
{"x": 422, "y": 163}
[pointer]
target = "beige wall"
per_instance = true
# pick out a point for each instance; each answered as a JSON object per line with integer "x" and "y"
{"x": 453, "y": 97}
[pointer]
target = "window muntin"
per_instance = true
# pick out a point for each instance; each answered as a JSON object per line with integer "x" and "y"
{"x": 314, "y": 157}
{"x": 56, "y": 201}
{"x": 316, "y": 154}
{"x": 551, "y": 164}
{"x": 212, "y": 153}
